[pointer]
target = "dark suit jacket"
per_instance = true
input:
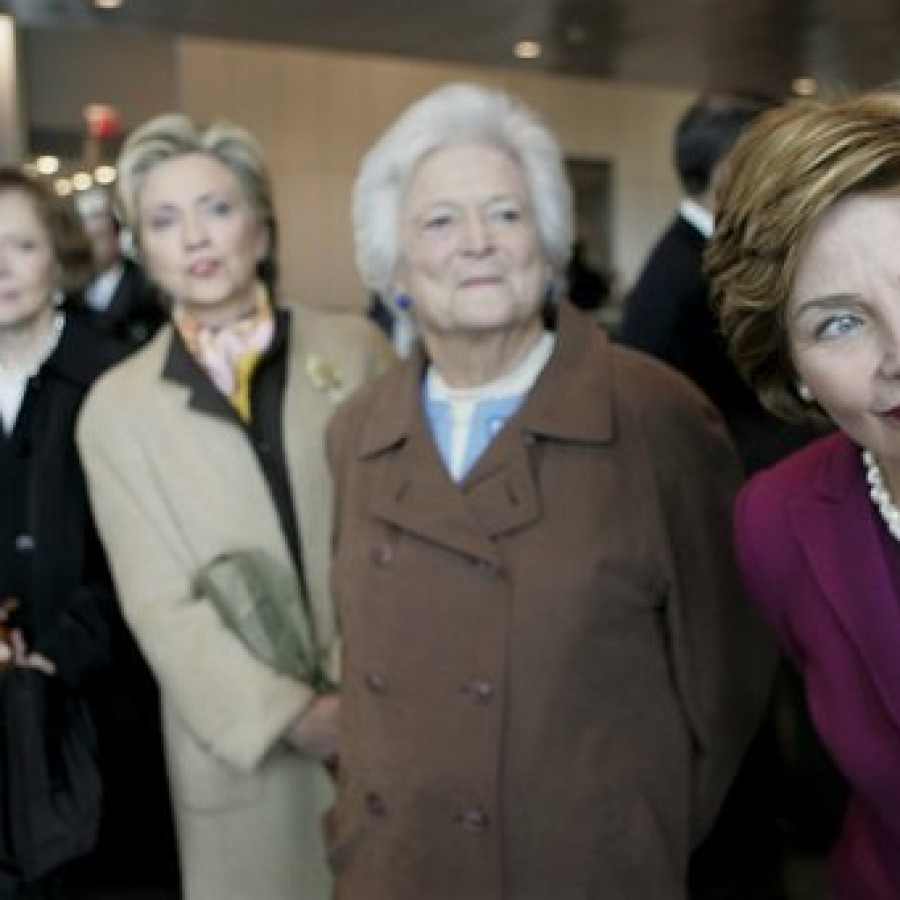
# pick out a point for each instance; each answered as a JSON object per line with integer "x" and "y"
{"x": 67, "y": 605}
{"x": 135, "y": 312}
{"x": 667, "y": 314}
{"x": 819, "y": 564}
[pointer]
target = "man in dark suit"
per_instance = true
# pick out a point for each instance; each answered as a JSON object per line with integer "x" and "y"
{"x": 667, "y": 312}
{"x": 120, "y": 300}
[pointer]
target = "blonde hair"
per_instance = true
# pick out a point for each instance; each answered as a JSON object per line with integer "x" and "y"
{"x": 172, "y": 135}
{"x": 789, "y": 167}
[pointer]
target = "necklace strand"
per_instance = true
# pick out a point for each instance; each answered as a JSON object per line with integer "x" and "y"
{"x": 880, "y": 494}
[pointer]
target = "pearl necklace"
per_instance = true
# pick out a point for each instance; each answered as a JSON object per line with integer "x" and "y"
{"x": 880, "y": 495}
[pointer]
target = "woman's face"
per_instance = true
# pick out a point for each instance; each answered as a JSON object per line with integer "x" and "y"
{"x": 201, "y": 239}
{"x": 843, "y": 319}
{"x": 470, "y": 256}
{"x": 29, "y": 273}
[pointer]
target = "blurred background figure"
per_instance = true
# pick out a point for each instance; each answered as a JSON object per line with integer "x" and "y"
{"x": 121, "y": 300}
{"x": 205, "y": 453}
{"x": 54, "y": 584}
{"x": 667, "y": 312}
{"x": 586, "y": 287}
{"x": 805, "y": 268}
{"x": 550, "y": 674}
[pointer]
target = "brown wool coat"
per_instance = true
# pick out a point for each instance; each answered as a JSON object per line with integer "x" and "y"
{"x": 550, "y": 673}
{"x": 173, "y": 488}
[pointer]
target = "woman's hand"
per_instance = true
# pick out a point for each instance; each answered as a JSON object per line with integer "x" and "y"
{"x": 315, "y": 733}
{"x": 6, "y": 648}
{"x": 22, "y": 657}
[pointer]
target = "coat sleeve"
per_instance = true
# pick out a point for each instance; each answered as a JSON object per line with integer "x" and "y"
{"x": 722, "y": 657}
{"x": 766, "y": 555}
{"x": 236, "y": 707}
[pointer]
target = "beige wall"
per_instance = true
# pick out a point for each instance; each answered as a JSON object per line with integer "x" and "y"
{"x": 316, "y": 113}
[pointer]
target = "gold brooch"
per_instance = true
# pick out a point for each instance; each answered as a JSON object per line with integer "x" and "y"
{"x": 325, "y": 376}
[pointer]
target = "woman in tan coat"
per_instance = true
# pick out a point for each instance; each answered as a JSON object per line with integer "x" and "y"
{"x": 550, "y": 674}
{"x": 209, "y": 442}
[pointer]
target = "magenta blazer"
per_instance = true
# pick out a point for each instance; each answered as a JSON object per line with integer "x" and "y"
{"x": 819, "y": 564}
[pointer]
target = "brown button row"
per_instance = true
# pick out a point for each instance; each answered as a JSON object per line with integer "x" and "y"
{"x": 471, "y": 819}
{"x": 383, "y": 555}
{"x": 480, "y": 690}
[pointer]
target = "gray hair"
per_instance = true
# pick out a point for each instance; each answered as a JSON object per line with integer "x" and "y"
{"x": 455, "y": 114}
{"x": 172, "y": 135}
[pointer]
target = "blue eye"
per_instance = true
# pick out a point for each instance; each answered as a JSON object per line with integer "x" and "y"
{"x": 221, "y": 207}
{"x": 838, "y": 326}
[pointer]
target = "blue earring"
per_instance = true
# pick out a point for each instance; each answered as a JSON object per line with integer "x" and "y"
{"x": 403, "y": 301}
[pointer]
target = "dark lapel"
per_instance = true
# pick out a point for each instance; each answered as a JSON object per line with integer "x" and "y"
{"x": 571, "y": 401}
{"x": 840, "y": 537}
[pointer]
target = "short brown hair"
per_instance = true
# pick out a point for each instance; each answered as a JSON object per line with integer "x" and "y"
{"x": 788, "y": 168}
{"x": 173, "y": 134}
{"x": 71, "y": 247}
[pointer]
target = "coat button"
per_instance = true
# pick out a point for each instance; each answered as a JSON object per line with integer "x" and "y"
{"x": 480, "y": 690}
{"x": 382, "y": 554}
{"x": 472, "y": 819}
{"x": 375, "y": 683}
{"x": 376, "y": 806}
{"x": 486, "y": 567}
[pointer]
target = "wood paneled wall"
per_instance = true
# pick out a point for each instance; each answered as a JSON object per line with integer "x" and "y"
{"x": 317, "y": 113}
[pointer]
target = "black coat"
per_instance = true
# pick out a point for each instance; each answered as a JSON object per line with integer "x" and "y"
{"x": 68, "y": 609}
{"x": 668, "y": 315}
{"x": 52, "y": 556}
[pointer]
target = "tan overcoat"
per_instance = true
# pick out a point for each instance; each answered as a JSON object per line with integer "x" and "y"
{"x": 172, "y": 488}
{"x": 550, "y": 672}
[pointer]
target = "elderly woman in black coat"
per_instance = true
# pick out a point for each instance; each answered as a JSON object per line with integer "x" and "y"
{"x": 57, "y": 612}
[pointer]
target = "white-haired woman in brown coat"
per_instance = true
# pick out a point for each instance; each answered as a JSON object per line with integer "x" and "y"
{"x": 550, "y": 672}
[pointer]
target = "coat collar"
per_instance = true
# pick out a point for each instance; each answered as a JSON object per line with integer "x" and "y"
{"x": 82, "y": 354}
{"x": 180, "y": 368}
{"x": 571, "y": 401}
{"x": 841, "y": 536}
{"x": 567, "y": 384}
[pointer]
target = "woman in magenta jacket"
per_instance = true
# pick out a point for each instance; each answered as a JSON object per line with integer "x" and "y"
{"x": 807, "y": 276}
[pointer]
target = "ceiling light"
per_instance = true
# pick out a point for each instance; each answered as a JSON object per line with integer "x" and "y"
{"x": 63, "y": 187}
{"x": 804, "y": 86}
{"x": 527, "y": 49}
{"x": 105, "y": 174}
{"x": 81, "y": 181}
{"x": 107, "y": 4}
{"x": 47, "y": 165}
